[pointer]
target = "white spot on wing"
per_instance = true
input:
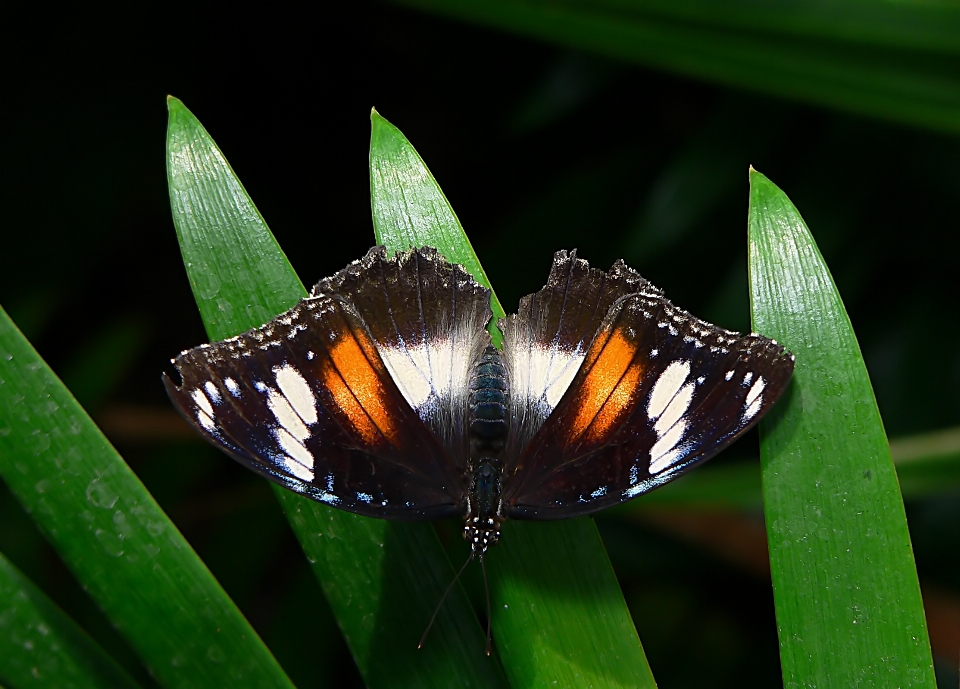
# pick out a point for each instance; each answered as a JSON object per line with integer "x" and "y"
{"x": 288, "y": 418}
{"x": 544, "y": 374}
{"x": 204, "y": 410}
{"x": 568, "y": 364}
{"x": 232, "y": 387}
{"x": 212, "y": 392}
{"x": 754, "y": 399}
{"x": 297, "y": 391}
{"x": 205, "y": 420}
{"x": 755, "y": 391}
{"x": 675, "y": 410}
{"x": 665, "y": 461}
{"x": 728, "y": 376}
{"x": 298, "y": 470}
{"x": 665, "y": 444}
{"x": 404, "y": 368}
{"x": 432, "y": 371}
{"x": 295, "y": 449}
{"x": 667, "y": 386}
{"x": 202, "y": 402}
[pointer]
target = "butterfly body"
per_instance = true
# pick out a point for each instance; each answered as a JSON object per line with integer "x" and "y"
{"x": 381, "y": 393}
{"x": 489, "y": 428}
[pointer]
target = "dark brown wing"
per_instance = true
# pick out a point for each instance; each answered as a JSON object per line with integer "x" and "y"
{"x": 545, "y": 342}
{"x": 312, "y": 402}
{"x": 658, "y": 392}
{"x": 428, "y": 318}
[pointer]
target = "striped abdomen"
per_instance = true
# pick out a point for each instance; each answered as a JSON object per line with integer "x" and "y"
{"x": 488, "y": 435}
{"x": 488, "y": 406}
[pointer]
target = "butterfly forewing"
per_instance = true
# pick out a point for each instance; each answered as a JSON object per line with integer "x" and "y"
{"x": 309, "y": 401}
{"x": 546, "y": 341}
{"x": 428, "y": 319}
{"x": 658, "y": 392}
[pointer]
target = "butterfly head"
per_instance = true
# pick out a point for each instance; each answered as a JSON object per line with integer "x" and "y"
{"x": 481, "y": 533}
{"x": 482, "y": 529}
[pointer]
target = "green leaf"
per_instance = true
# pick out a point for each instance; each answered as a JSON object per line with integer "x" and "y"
{"x": 847, "y": 599}
{"x": 40, "y": 646}
{"x": 410, "y": 209}
{"x": 558, "y": 614}
{"x": 382, "y": 579}
{"x": 897, "y": 61}
{"x": 114, "y": 537}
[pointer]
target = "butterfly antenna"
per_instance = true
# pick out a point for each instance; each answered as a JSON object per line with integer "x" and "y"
{"x": 486, "y": 588}
{"x": 443, "y": 598}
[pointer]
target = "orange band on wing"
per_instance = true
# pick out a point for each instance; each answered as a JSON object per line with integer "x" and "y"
{"x": 608, "y": 388}
{"x": 618, "y": 402}
{"x": 357, "y": 389}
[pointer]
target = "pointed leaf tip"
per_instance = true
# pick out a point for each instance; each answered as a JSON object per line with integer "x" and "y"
{"x": 827, "y": 447}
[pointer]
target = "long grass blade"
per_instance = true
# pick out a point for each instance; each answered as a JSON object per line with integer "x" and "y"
{"x": 381, "y": 579}
{"x": 114, "y": 537}
{"x": 848, "y": 604}
{"x": 559, "y": 616}
{"x": 40, "y": 646}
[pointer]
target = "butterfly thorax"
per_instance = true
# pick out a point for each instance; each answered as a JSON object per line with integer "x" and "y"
{"x": 488, "y": 436}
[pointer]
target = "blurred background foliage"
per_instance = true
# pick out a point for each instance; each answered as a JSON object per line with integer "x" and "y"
{"x": 542, "y": 139}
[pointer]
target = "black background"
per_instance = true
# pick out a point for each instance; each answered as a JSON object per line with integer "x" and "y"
{"x": 537, "y": 148}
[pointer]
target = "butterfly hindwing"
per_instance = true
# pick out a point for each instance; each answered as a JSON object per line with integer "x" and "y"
{"x": 545, "y": 342}
{"x": 309, "y": 401}
{"x": 657, "y": 392}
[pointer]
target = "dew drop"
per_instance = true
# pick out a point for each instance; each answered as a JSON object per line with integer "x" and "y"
{"x": 101, "y": 495}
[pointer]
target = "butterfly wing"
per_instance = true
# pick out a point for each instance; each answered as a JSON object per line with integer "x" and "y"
{"x": 428, "y": 318}
{"x": 546, "y": 341}
{"x": 309, "y": 400}
{"x": 658, "y": 391}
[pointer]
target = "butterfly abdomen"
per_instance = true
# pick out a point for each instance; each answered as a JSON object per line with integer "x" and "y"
{"x": 488, "y": 405}
{"x": 488, "y": 436}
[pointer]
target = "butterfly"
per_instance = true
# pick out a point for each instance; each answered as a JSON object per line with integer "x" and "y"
{"x": 381, "y": 394}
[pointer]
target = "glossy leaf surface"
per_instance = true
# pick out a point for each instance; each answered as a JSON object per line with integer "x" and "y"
{"x": 410, "y": 209}
{"x": 559, "y": 616}
{"x": 381, "y": 579}
{"x": 847, "y": 598}
{"x": 40, "y": 646}
{"x": 114, "y": 537}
